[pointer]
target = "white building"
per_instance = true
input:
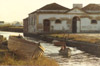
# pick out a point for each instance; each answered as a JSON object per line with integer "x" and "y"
{"x": 56, "y": 18}
{"x": 17, "y": 24}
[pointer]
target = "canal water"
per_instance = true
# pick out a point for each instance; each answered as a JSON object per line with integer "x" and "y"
{"x": 78, "y": 58}
{"x": 7, "y": 34}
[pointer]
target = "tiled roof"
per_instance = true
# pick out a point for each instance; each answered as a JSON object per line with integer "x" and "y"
{"x": 33, "y": 12}
{"x": 53, "y": 6}
{"x": 92, "y": 8}
{"x": 26, "y": 18}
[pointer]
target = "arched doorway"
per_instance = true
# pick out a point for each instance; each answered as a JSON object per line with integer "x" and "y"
{"x": 46, "y": 25}
{"x": 75, "y": 24}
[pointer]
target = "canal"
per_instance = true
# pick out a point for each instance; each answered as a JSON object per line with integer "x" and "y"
{"x": 78, "y": 58}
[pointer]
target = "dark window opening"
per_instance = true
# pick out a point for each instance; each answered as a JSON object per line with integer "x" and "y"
{"x": 94, "y": 22}
{"x": 58, "y": 21}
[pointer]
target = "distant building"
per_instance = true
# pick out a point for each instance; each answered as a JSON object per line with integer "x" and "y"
{"x": 1, "y": 22}
{"x": 56, "y": 18}
{"x": 17, "y": 24}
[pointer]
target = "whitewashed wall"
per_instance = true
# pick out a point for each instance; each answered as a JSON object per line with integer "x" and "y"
{"x": 78, "y": 26}
{"x": 32, "y": 23}
{"x": 85, "y": 22}
{"x": 62, "y": 26}
{"x": 83, "y": 25}
{"x": 87, "y": 26}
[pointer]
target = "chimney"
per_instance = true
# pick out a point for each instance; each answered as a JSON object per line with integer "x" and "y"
{"x": 77, "y": 5}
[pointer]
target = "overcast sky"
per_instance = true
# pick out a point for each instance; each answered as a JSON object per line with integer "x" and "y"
{"x": 17, "y": 10}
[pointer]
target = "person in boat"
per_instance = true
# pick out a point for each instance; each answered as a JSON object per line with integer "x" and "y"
{"x": 65, "y": 51}
{"x": 63, "y": 47}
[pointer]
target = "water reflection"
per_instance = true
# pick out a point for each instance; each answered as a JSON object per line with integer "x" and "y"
{"x": 7, "y": 34}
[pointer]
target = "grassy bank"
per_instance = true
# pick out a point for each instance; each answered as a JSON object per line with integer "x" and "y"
{"x": 8, "y": 27}
{"x": 77, "y": 37}
{"x": 9, "y": 58}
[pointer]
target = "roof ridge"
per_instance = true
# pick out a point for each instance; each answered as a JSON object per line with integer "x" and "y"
{"x": 92, "y": 8}
{"x": 53, "y": 6}
{"x": 91, "y": 5}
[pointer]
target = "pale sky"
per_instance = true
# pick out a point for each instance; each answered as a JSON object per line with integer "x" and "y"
{"x": 17, "y": 10}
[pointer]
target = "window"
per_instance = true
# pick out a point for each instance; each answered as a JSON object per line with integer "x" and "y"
{"x": 94, "y": 22}
{"x": 58, "y": 21}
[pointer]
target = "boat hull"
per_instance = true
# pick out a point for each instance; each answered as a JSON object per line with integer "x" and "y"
{"x": 59, "y": 43}
{"x": 65, "y": 53}
{"x": 24, "y": 48}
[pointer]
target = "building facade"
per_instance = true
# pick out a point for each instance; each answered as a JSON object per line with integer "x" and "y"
{"x": 25, "y": 25}
{"x": 56, "y": 18}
